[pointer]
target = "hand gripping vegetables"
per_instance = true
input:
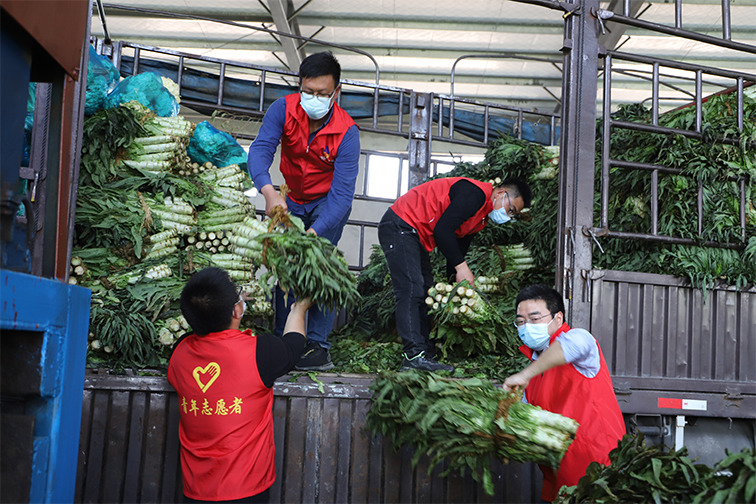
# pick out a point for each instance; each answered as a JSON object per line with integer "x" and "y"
{"x": 465, "y": 422}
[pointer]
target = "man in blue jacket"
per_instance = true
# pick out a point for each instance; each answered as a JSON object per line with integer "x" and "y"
{"x": 320, "y": 153}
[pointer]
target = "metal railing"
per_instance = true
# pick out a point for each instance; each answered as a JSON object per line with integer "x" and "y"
{"x": 607, "y": 162}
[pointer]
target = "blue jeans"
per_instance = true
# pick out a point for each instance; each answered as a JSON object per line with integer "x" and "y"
{"x": 411, "y": 277}
{"x": 319, "y": 321}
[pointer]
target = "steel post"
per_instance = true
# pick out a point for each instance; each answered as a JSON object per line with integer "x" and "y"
{"x": 420, "y": 136}
{"x": 578, "y": 143}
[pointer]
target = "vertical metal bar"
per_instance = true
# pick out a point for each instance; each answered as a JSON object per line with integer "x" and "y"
{"x": 726, "y": 24}
{"x": 375, "y": 108}
{"x": 626, "y": 8}
{"x": 605, "y": 141}
{"x": 441, "y": 114}
{"x": 678, "y": 14}
{"x": 367, "y": 173}
{"x": 655, "y": 202}
{"x": 485, "y": 125}
{"x": 519, "y": 124}
{"x": 221, "y": 82}
{"x": 135, "y": 66}
{"x": 743, "y": 207}
{"x": 362, "y": 245}
{"x": 451, "y": 117}
{"x": 262, "y": 90}
{"x": 577, "y": 170}
{"x": 700, "y": 208}
{"x": 552, "y": 136}
{"x": 655, "y": 96}
{"x": 401, "y": 112}
{"x": 699, "y": 100}
{"x": 740, "y": 103}
{"x": 180, "y": 74}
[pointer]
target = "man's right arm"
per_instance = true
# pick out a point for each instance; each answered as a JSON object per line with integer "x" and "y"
{"x": 263, "y": 150}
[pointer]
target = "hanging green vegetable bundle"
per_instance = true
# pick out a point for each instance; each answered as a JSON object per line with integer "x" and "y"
{"x": 307, "y": 264}
{"x": 465, "y": 423}
{"x": 467, "y": 322}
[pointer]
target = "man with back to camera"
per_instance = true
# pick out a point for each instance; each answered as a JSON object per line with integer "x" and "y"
{"x": 224, "y": 379}
{"x": 320, "y": 153}
{"x": 568, "y": 375}
{"x": 445, "y": 212}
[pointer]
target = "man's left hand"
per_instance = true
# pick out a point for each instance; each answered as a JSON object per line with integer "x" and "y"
{"x": 312, "y": 231}
{"x": 516, "y": 381}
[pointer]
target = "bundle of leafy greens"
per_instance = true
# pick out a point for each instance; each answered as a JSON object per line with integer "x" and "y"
{"x": 465, "y": 422}
{"x": 654, "y": 473}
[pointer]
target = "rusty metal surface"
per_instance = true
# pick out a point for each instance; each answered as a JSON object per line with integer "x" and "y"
{"x": 129, "y": 450}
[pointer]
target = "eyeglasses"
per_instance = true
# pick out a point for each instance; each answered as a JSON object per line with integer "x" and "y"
{"x": 238, "y": 294}
{"x": 317, "y": 95}
{"x": 512, "y": 212}
{"x": 533, "y": 320}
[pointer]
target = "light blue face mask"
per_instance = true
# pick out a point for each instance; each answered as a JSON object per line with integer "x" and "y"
{"x": 499, "y": 216}
{"x": 535, "y": 336}
{"x": 316, "y": 107}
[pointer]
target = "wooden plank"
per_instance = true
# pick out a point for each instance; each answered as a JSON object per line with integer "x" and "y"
{"x": 171, "y": 490}
{"x": 454, "y": 486}
{"x": 295, "y": 445}
{"x": 438, "y": 484}
{"x": 656, "y": 348}
{"x": 312, "y": 448}
{"x": 115, "y": 451}
{"x": 422, "y": 481}
{"x": 375, "y": 467}
{"x": 137, "y": 424}
{"x": 280, "y": 410}
{"x": 392, "y": 473}
{"x": 84, "y": 439}
{"x": 408, "y": 476}
{"x": 344, "y": 451}
{"x": 96, "y": 447}
{"x": 603, "y": 319}
{"x": 360, "y": 453}
{"x": 330, "y": 441}
{"x": 646, "y": 335}
{"x": 154, "y": 448}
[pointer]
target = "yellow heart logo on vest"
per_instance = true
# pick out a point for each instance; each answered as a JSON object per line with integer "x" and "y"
{"x": 212, "y": 369}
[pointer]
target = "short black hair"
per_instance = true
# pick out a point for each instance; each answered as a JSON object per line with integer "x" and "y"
{"x": 322, "y": 63}
{"x": 519, "y": 188}
{"x": 207, "y": 301}
{"x": 551, "y": 297}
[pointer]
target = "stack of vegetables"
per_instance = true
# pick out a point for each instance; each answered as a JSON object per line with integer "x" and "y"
{"x": 654, "y": 473}
{"x": 148, "y": 217}
{"x": 465, "y": 422}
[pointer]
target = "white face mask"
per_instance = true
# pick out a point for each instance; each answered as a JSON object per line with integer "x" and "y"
{"x": 500, "y": 215}
{"x": 316, "y": 107}
{"x": 244, "y": 308}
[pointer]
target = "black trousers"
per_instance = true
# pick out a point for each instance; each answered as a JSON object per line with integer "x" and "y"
{"x": 261, "y": 498}
{"x": 411, "y": 277}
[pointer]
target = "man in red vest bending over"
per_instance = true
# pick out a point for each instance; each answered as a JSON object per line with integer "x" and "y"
{"x": 320, "y": 154}
{"x": 447, "y": 213}
{"x": 567, "y": 375}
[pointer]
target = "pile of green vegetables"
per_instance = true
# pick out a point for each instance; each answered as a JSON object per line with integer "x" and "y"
{"x": 653, "y": 473}
{"x": 718, "y": 167}
{"x": 147, "y": 218}
{"x": 465, "y": 422}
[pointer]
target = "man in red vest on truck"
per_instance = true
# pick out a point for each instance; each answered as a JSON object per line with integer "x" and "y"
{"x": 567, "y": 375}
{"x": 320, "y": 153}
{"x": 447, "y": 213}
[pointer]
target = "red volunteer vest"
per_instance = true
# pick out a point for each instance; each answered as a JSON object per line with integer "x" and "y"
{"x": 226, "y": 417}
{"x": 308, "y": 169}
{"x": 591, "y": 402}
{"x": 423, "y": 205}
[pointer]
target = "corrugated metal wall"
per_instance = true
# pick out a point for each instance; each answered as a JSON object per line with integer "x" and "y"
{"x": 657, "y": 333}
{"x": 129, "y": 450}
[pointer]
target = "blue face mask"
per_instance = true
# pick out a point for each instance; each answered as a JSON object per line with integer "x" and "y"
{"x": 316, "y": 107}
{"x": 535, "y": 336}
{"x": 500, "y": 215}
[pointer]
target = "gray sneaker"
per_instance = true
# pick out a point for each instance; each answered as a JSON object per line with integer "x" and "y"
{"x": 314, "y": 358}
{"x": 423, "y": 363}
